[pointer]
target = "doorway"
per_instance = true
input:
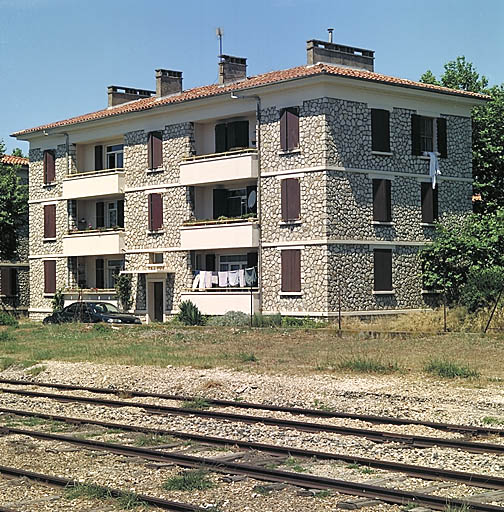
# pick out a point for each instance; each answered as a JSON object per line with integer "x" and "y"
{"x": 158, "y": 301}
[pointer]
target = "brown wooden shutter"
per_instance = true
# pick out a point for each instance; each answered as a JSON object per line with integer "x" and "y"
{"x": 442, "y": 145}
{"x": 382, "y": 208}
{"x": 380, "y": 130}
{"x": 50, "y": 276}
{"x": 291, "y": 270}
{"x": 283, "y": 185}
{"x": 283, "y": 130}
{"x": 5, "y": 276}
{"x": 98, "y": 158}
{"x": 100, "y": 273}
{"x": 49, "y": 167}
{"x": 383, "y": 270}
{"x": 155, "y": 211}
{"x": 292, "y": 128}
{"x": 50, "y": 221}
{"x": 220, "y": 138}
{"x": 293, "y": 198}
{"x": 100, "y": 214}
{"x": 416, "y": 126}
{"x": 237, "y": 135}
{"x": 220, "y": 206}
{"x": 155, "y": 150}
{"x": 429, "y": 203}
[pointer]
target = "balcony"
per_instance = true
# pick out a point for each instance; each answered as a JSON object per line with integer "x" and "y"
{"x": 216, "y": 168}
{"x": 225, "y": 234}
{"x": 94, "y": 243}
{"x": 94, "y": 184}
{"x": 220, "y": 302}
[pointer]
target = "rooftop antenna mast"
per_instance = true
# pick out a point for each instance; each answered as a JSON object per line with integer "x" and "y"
{"x": 219, "y": 32}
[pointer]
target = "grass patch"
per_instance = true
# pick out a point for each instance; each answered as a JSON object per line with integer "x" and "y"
{"x": 102, "y": 328}
{"x": 153, "y": 440}
{"x": 450, "y": 369}
{"x": 9, "y": 320}
{"x": 36, "y": 370}
{"x": 368, "y": 365}
{"x": 293, "y": 464}
{"x": 323, "y": 494}
{"x": 492, "y": 420}
{"x": 196, "y": 403}
{"x": 194, "y": 480}
{"x": 87, "y": 491}
{"x": 6, "y": 362}
{"x": 129, "y": 501}
{"x": 6, "y": 336}
{"x": 247, "y": 357}
{"x": 454, "y": 508}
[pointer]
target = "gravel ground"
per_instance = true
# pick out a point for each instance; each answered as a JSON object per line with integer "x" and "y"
{"x": 405, "y": 397}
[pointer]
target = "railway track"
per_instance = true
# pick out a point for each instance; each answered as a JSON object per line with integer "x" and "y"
{"x": 450, "y": 427}
{"x": 373, "y": 435}
{"x": 470, "y": 479}
{"x": 388, "y": 495}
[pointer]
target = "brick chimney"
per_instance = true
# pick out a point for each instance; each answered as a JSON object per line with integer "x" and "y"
{"x": 118, "y": 94}
{"x": 232, "y": 69}
{"x": 168, "y": 82}
{"x": 339, "y": 55}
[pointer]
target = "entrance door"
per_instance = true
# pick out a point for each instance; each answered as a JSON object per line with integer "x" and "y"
{"x": 158, "y": 302}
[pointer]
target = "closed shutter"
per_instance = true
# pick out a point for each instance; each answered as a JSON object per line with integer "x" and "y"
{"x": 5, "y": 276}
{"x": 382, "y": 208}
{"x": 220, "y": 203}
{"x": 380, "y": 130}
{"x": 100, "y": 214}
{"x": 416, "y": 127}
{"x": 291, "y": 270}
{"x": 283, "y": 130}
{"x": 238, "y": 134}
{"x": 220, "y": 138}
{"x": 155, "y": 211}
{"x": 50, "y": 221}
{"x": 100, "y": 273}
{"x": 98, "y": 158}
{"x": 120, "y": 213}
{"x": 155, "y": 150}
{"x": 50, "y": 276}
{"x": 13, "y": 281}
{"x": 49, "y": 167}
{"x": 210, "y": 262}
{"x": 383, "y": 270}
{"x": 291, "y": 199}
{"x": 442, "y": 145}
{"x": 429, "y": 203}
{"x": 292, "y": 128}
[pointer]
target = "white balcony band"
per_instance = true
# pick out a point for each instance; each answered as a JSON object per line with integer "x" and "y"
{"x": 218, "y": 303}
{"x": 93, "y": 243}
{"x": 219, "y": 236}
{"x": 94, "y": 184}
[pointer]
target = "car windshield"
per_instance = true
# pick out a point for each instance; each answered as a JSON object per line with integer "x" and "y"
{"x": 103, "y": 307}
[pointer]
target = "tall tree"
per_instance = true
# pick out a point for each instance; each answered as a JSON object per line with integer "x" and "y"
{"x": 488, "y": 130}
{"x": 17, "y": 152}
{"x": 13, "y": 207}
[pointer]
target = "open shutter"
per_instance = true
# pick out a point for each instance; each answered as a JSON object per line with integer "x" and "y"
{"x": 5, "y": 285}
{"x": 380, "y": 130}
{"x": 382, "y": 201}
{"x": 155, "y": 150}
{"x": 120, "y": 213}
{"x": 283, "y": 130}
{"x": 49, "y": 167}
{"x": 293, "y": 199}
{"x": 50, "y": 221}
{"x": 416, "y": 145}
{"x": 383, "y": 270}
{"x": 98, "y": 158}
{"x": 210, "y": 262}
{"x": 291, "y": 270}
{"x": 427, "y": 203}
{"x": 100, "y": 273}
{"x": 220, "y": 138}
{"x": 100, "y": 214}
{"x": 50, "y": 276}
{"x": 155, "y": 211}
{"x": 283, "y": 186}
{"x": 220, "y": 203}
{"x": 442, "y": 145}
{"x": 292, "y": 128}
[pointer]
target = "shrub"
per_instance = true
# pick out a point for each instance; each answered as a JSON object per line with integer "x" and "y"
{"x": 102, "y": 328}
{"x": 292, "y": 321}
{"x": 189, "y": 314}
{"x": 6, "y": 319}
{"x": 58, "y": 301}
{"x": 123, "y": 289}
{"x": 259, "y": 320}
{"x": 230, "y": 319}
{"x": 483, "y": 287}
{"x": 449, "y": 369}
{"x": 189, "y": 481}
{"x": 247, "y": 357}
{"x": 5, "y": 336}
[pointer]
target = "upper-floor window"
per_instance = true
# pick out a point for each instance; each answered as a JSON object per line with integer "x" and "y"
{"x": 49, "y": 166}
{"x": 289, "y": 128}
{"x": 428, "y": 134}
{"x": 429, "y": 203}
{"x": 231, "y": 135}
{"x": 232, "y": 262}
{"x": 155, "y": 211}
{"x": 382, "y": 270}
{"x": 234, "y": 202}
{"x": 382, "y": 201}
{"x": 49, "y": 221}
{"x": 291, "y": 270}
{"x": 114, "y": 156}
{"x": 290, "y": 199}
{"x": 155, "y": 150}
{"x": 8, "y": 281}
{"x": 110, "y": 214}
{"x": 380, "y": 130}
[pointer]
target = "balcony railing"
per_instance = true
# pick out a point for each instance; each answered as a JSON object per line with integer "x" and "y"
{"x": 94, "y": 242}
{"x": 93, "y": 184}
{"x": 219, "y": 235}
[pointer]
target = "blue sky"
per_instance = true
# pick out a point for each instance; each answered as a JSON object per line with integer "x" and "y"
{"x": 57, "y": 57}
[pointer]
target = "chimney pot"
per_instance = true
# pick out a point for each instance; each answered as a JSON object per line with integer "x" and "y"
{"x": 168, "y": 82}
{"x": 232, "y": 69}
{"x": 339, "y": 55}
{"x": 118, "y": 94}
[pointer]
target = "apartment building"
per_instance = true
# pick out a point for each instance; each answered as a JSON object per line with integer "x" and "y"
{"x": 318, "y": 177}
{"x": 14, "y": 277}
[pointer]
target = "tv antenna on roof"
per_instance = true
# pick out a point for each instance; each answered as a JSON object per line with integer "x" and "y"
{"x": 219, "y": 33}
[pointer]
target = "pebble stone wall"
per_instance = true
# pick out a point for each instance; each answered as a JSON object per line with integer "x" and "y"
{"x": 37, "y": 298}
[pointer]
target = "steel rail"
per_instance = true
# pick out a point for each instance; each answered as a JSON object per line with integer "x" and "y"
{"x": 451, "y": 427}
{"x": 299, "y": 479}
{"x": 373, "y": 435}
{"x": 115, "y": 493}
{"x": 471, "y": 479}
{"x": 4, "y": 509}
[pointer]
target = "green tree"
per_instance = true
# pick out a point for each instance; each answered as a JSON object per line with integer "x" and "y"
{"x": 488, "y": 130}
{"x": 17, "y": 152}
{"x": 13, "y": 207}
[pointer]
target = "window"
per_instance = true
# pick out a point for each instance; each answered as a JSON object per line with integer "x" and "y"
{"x": 232, "y": 262}
{"x": 50, "y": 276}
{"x": 9, "y": 281}
{"x": 291, "y": 199}
{"x": 383, "y": 270}
{"x": 98, "y": 153}
{"x": 115, "y": 156}
{"x": 382, "y": 210}
{"x": 291, "y": 270}
{"x": 429, "y": 203}
{"x": 113, "y": 269}
{"x": 100, "y": 273}
{"x": 234, "y": 202}
{"x": 380, "y": 130}
{"x": 155, "y": 212}
{"x": 156, "y": 258}
{"x": 155, "y": 149}
{"x": 428, "y": 134}
{"x": 231, "y": 135}
{"x": 289, "y": 128}
{"x": 49, "y": 167}
{"x": 50, "y": 221}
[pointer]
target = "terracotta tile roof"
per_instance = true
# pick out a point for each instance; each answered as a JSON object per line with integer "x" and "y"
{"x": 14, "y": 160}
{"x": 255, "y": 81}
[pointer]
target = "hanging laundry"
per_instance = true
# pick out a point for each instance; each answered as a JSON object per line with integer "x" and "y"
{"x": 196, "y": 281}
{"x": 215, "y": 279}
{"x": 433, "y": 168}
{"x": 241, "y": 277}
{"x": 223, "y": 279}
{"x": 250, "y": 276}
{"x": 233, "y": 278}
{"x": 208, "y": 279}
{"x": 202, "y": 279}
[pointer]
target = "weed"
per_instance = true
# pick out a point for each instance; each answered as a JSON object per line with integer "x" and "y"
{"x": 102, "y": 328}
{"x": 188, "y": 481}
{"x": 6, "y": 362}
{"x": 262, "y": 489}
{"x": 6, "y": 336}
{"x": 361, "y": 469}
{"x": 323, "y": 494}
{"x": 368, "y": 365}
{"x": 321, "y": 406}
{"x": 129, "y": 501}
{"x": 294, "y": 465}
{"x": 197, "y": 402}
{"x": 353, "y": 466}
{"x": 36, "y": 370}
{"x": 247, "y": 358}
{"x": 492, "y": 420}
{"x": 31, "y": 422}
{"x": 87, "y": 491}
{"x": 455, "y": 508}
{"x": 6, "y": 319}
{"x": 152, "y": 440}
{"x": 449, "y": 369}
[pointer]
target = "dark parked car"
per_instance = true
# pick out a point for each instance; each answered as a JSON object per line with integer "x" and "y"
{"x": 92, "y": 312}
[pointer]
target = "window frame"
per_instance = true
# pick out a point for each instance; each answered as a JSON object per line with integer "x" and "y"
{"x": 50, "y": 277}
{"x": 383, "y": 278}
{"x": 49, "y": 166}
{"x": 290, "y": 197}
{"x": 152, "y": 205}
{"x": 155, "y": 150}
{"x": 50, "y": 222}
{"x": 290, "y": 271}
{"x": 380, "y": 140}
{"x": 382, "y": 194}
{"x": 109, "y": 151}
{"x": 289, "y": 129}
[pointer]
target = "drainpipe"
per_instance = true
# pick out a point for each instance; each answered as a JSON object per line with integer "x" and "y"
{"x": 259, "y": 194}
